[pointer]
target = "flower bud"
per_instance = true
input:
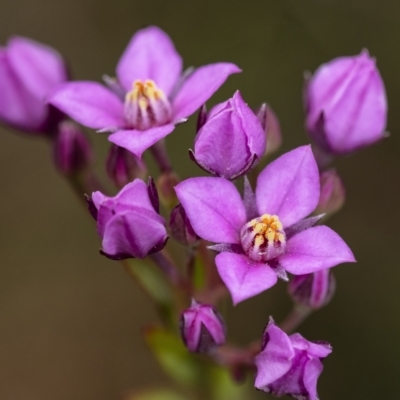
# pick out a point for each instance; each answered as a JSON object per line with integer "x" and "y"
{"x": 289, "y": 364}
{"x": 346, "y": 104}
{"x": 28, "y": 72}
{"x": 123, "y": 167}
{"x": 313, "y": 290}
{"x": 72, "y": 150}
{"x": 181, "y": 228}
{"x": 202, "y": 328}
{"x": 269, "y": 121}
{"x": 333, "y": 193}
{"x": 230, "y": 141}
{"x": 165, "y": 184}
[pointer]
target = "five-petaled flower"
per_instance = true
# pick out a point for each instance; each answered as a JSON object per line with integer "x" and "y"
{"x": 150, "y": 97}
{"x": 128, "y": 223}
{"x": 265, "y": 234}
{"x": 289, "y": 364}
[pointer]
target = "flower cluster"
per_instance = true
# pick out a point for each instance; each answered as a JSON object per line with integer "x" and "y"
{"x": 237, "y": 243}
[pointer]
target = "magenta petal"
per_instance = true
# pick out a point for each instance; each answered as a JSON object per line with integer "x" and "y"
{"x": 150, "y": 55}
{"x": 315, "y": 249}
{"x": 312, "y": 371}
{"x": 274, "y": 361}
{"x": 133, "y": 234}
{"x": 40, "y": 67}
{"x": 214, "y": 208}
{"x": 243, "y": 277}
{"x": 289, "y": 186}
{"x": 200, "y": 86}
{"x": 90, "y": 104}
{"x": 138, "y": 141}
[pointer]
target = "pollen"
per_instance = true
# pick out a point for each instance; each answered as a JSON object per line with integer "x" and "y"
{"x": 263, "y": 238}
{"x": 146, "y": 106}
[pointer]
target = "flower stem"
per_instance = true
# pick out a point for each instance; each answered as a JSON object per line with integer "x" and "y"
{"x": 298, "y": 314}
{"x": 160, "y": 155}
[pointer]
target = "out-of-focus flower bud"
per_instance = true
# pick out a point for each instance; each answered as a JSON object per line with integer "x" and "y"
{"x": 165, "y": 185}
{"x": 230, "y": 141}
{"x": 202, "y": 328}
{"x": 28, "y": 72}
{"x": 72, "y": 150}
{"x": 346, "y": 104}
{"x": 289, "y": 364}
{"x": 313, "y": 290}
{"x": 333, "y": 193}
{"x": 181, "y": 228}
{"x": 269, "y": 121}
{"x": 123, "y": 166}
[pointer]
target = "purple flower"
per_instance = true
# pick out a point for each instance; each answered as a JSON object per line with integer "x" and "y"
{"x": 230, "y": 141}
{"x": 202, "y": 328}
{"x": 333, "y": 193}
{"x": 346, "y": 104}
{"x": 129, "y": 224}
{"x": 181, "y": 229}
{"x": 264, "y": 235}
{"x": 155, "y": 95}
{"x": 28, "y": 71}
{"x": 313, "y": 290}
{"x": 72, "y": 150}
{"x": 289, "y": 364}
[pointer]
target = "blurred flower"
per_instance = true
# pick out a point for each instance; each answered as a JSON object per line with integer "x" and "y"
{"x": 123, "y": 167}
{"x": 346, "y": 104}
{"x": 28, "y": 71}
{"x": 202, "y": 328}
{"x": 128, "y": 223}
{"x": 156, "y": 98}
{"x": 270, "y": 123}
{"x": 181, "y": 228}
{"x": 72, "y": 150}
{"x": 231, "y": 140}
{"x": 289, "y": 364}
{"x": 313, "y": 290}
{"x": 333, "y": 193}
{"x": 264, "y": 235}
{"x": 166, "y": 183}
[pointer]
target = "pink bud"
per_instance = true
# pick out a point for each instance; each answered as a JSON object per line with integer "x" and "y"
{"x": 333, "y": 193}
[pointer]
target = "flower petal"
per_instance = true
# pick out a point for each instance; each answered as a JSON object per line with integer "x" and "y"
{"x": 312, "y": 371}
{"x": 315, "y": 249}
{"x": 289, "y": 186}
{"x": 40, "y": 67}
{"x": 274, "y": 361}
{"x": 200, "y": 86}
{"x": 89, "y": 103}
{"x": 214, "y": 208}
{"x": 138, "y": 141}
{"x": 243, "y": 277}
{"x": 150, "y": 55}
{"x": 132, "y": 233}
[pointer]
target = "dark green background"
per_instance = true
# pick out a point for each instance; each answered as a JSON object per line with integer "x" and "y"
{"x": 70, "y": 320}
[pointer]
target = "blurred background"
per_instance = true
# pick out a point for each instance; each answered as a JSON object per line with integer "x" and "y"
{"x": 70, "y": 319}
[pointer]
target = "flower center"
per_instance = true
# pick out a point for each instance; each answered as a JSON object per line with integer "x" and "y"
{"x": 146, "y": 106}
{"x": 263, "y": 238}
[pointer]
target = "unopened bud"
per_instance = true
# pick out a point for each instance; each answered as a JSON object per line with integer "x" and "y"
{"x": 202, "y": 328}
{"x": 333, "y": 193}
{"x": 123, "y": 167}
{"x": 181, "y": 228}
{"x": 313, "y": 290}
{"x": 72, "y": 150}
{"x": 165, "y": 184}
{"x": 272, "y": 128}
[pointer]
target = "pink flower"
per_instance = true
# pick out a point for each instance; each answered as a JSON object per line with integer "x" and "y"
{"x": 264, "y": 235}
{"x": 155, "y": 94}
